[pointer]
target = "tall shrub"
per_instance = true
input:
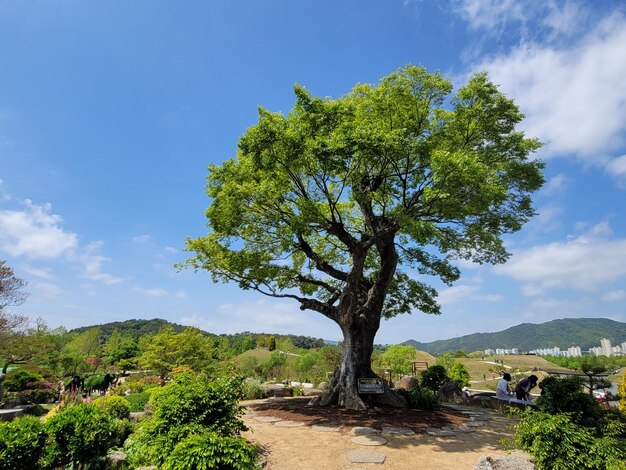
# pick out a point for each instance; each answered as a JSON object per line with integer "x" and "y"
{"x": 22, "y": 443}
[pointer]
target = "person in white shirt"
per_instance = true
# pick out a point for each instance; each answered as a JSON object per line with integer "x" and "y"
{"x": 503, "y": 390}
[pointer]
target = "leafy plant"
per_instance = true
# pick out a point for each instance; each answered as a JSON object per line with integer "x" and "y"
{"x": 137, "y": 401}
{"x": 19, "y": 380}
{"x": 421, "y": 398}
{"x": 557, "y": 443}
{"x": 80, "y": 435}
{"x": 434, "y": 378}
{"x": 252, "y": 389}
{"x": 22, "y": 443}
{"x": 210, "y": 451}
{"x": 189, "y": 406}
{"x": 565, "y": 395}
{"x": 116, "y": 406}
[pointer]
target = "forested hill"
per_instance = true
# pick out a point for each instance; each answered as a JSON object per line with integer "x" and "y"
{"x": 565, "y": 333}
{"x": 239, "y": 341}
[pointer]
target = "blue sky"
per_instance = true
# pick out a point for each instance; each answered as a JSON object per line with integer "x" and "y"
{"x": 110, "y": 113}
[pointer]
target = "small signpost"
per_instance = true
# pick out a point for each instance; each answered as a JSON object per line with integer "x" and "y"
{"x": 371, "y": 386}
{"x": 418, "y": 366}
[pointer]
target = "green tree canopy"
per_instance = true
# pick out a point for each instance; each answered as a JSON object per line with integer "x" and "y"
{"x": 346, "y": 205}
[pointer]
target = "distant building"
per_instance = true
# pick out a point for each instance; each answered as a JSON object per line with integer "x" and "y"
{"x": 574, "y": 351}
{"x": 597, "y": 351}
{"x": 489, "y": 352}
{"x": 605, "y": 346}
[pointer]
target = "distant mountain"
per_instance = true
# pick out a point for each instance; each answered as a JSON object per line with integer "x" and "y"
{"x": 565, "y": 333}
{"x": 134, "y": 328}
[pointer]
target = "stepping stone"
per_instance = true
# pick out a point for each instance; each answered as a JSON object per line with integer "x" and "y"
{"x": 289, "y": 424}
{"x": 365, "y": 456}
{"x": 441, "y": 433}
{"x": 369, "y": 440}
{"x": 320, "y": 428}
{"x": 267, "y": 419}
{"x": 464, "y": 429}
{"x": 363, "y": 431}
{"x": 475, "y": 424}
{"x": 398, "y": 431}
{"x": 480, "y": 418}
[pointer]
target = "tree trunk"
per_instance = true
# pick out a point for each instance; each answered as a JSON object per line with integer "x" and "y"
{"x": 356, "y": 363}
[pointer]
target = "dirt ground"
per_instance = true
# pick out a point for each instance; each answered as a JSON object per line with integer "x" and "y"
{"x": 305, "y": 448}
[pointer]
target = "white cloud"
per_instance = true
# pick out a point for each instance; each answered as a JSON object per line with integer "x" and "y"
{"x": 574, "y": 97}
{"x": 614, "y": 296}
{"x": 91, "y": 263}
{"x": 141, "y": 238}
{"x": 491, "y": 15}
{"x": 47, "y": 290}
{"x": 617, "y": 168}
{"x": 159, "y": 292}
{"x": 34, "y": 232}
{"x": 548, "y": 219}
{"x": 43, "y": 273}
{"x": 170, "y": 249}
{"x": 463, "y": 293}
{"x": 556, "y": 185}
{"x": 588, "y": 262}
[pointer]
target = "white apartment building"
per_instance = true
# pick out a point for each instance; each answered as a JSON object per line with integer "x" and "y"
{"x": 605, "y": 346}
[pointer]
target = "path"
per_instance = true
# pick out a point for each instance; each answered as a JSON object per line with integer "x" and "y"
{"x": 290, "y": 444}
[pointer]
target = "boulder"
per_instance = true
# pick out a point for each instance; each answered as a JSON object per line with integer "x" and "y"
{"x": 323, "y": 386}
{"x": 452, "y": 393}
{"x": 117, "y": 460}
{"x": 407, "y": 382}
{"x": 278, "y": 390}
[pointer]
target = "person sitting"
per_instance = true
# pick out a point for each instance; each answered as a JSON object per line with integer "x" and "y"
{"x": 503, "y": 390}
{"x": 523, "y": 387}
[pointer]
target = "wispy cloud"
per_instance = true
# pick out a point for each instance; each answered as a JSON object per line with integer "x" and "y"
{"x": 464, "y": 293}
{"x": 614, "y": 296}
{"x": 159, "y": 292}
{"x": 587, "y": 262}
{"x": 141, "y": 238}
{"x": 42, "y": 273}
{"x": 91, "y": 262}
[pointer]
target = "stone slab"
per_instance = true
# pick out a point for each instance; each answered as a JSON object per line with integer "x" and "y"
{"x": 475, "y": 424}
{"x": 267, "y": 419}
{"x": 480, "y": 418}
{"x": 320, "y": 428}
{"x": 369, "y": 440}
{"x": 441, "y": 433}
{"x": 289, "y": 424}
{"x": 391, "y": 430}
{"x": 365, "y": 456}
{"x": 363, "y": 431}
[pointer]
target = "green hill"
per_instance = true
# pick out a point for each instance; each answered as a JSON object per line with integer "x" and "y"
{"x": 565, "y": 333}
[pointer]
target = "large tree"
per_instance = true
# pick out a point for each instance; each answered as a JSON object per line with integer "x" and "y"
{"x": 346, "y": 205}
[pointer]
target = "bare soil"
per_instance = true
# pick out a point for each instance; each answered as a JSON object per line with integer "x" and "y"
{"x": 305, "y": 448}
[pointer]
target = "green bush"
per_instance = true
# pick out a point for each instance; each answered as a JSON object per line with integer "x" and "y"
{"x": 22, "y": 443}
{"x": 252, "y": 389}
{"x": 116, "y": 406}
{"x": 19, "y": 380}
{"x": 210, "y": 451}
{"x": 137, "y": 401}
{"x": 434, "y": 378}
{"x": 421, "y": 398}
{"x": 566, "y": 396}
{"x": 189, "y": 406}
{"x": 557, "y": 443}
{"x": 80, "y": 435}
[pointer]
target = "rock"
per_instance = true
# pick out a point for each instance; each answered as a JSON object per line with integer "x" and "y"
{"x": 397, "y": 431}
{"x": 363, "y": 431}
{"x": 278, "y": 390}
{"x": 365, "y": 456}
{"x": 407, "y": 382}
{"x": 323, "y": 386}
{"x": 451, "y": 393}
{"x": 322, "y": 428}
{"x": 311, "y": 392}
{"x": 509, "y": 462}
{"x": 369, "y": 440}
{"x": 117, "y": 460}
{"x": 289, "y": 424}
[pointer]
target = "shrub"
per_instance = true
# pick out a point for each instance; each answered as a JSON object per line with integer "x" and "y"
{"x": 252, "y": 389}
{"x": 420, "y": 398}
{"x": 137, "y": 401}
{"x": 557, "y": 443}
{"x": 80, "y": 435}
{"x": 188, "y": 406}
{"x": 434, "y": 378}
{"x": 22, "y": 443}
{"x": 211, "y": 451}
{"x": 459, "y": 373}
{"x": 19, "y": 380}
{"x": 116, "y": 406}
{"x": 566, "y": 396}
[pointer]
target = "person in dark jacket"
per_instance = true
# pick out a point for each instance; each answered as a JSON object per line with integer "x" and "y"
{"x": 524, "y": 386}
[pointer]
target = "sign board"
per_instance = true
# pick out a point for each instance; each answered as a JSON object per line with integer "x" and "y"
{"x": 371, "y": 385}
